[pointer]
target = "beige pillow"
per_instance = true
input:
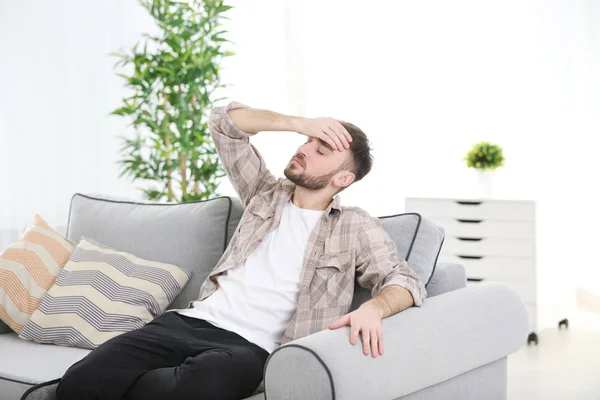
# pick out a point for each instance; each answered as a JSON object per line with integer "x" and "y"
{"x": 28, "y": 269}
{"x": 101, "y": 293}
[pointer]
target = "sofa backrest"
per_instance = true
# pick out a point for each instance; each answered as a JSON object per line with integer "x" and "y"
{"x": 191, "y": 235}
{"x": 194, "y": 235}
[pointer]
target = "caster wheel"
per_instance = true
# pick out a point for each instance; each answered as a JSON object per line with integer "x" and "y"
{"x": 564, "y": 322}
{"x": 532, "y": 338}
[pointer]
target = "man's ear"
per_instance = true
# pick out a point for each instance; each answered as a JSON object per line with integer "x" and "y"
{"x": 344, "y": 179}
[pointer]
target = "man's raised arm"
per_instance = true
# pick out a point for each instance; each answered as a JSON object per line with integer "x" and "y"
{"x": 230, "y": 128}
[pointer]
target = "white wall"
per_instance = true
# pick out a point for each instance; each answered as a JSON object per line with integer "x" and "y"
{"x": 588, "y": 108}
{"x": 424, "y": 79}
{"x": 57, "y": 88}
{"x": 427, "y": 79}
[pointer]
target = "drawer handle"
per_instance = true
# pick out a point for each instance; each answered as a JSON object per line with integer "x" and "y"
{"x": 474, "y": 279}
{"x": 470, "y": 221}
{"x": 469, "y": 239}
{"x": 470, "y": 257}
{"x": 469, "y": 203}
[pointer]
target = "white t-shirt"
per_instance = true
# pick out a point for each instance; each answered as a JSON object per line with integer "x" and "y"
{"x": 258, "y": 298}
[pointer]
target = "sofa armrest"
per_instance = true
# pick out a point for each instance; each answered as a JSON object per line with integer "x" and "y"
{"x": 446, "y": 277}
{"x": 450, "y": 334}
{"x": 4, "y": 328}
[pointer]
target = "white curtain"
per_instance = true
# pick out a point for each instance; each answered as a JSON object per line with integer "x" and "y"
{"x": 58, "y": 86}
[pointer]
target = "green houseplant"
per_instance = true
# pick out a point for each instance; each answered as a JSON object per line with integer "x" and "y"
{"x": 173, "y": 77}
{"x": 485, "y": 156}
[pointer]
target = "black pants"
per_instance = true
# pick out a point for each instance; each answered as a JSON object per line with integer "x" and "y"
{"x": 172, "y": 357}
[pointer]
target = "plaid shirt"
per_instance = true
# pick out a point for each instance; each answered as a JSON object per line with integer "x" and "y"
{"x": 346, "y": 243}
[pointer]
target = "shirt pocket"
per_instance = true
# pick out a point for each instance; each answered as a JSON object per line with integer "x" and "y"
{"x": 256, "y": 215}
{"x": 333, "y": 282}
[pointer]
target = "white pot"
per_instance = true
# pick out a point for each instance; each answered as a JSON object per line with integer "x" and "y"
{"x": 485, "y": 182}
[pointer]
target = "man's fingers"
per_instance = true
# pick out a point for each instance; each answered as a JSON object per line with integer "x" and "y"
{"x": 328, "y": 139}
{"x": 343, "y": 131}
{"x": 374, "y": 340}
{"x": 339, "y": 139}
{"x": 340, "y": 322}
{"x": 338, "y": 143}
{"x": 366, "y": 341}
{"x": 354, "y": 334}
{"x": 380, "y": 340}
{"x": 336, "y": 324}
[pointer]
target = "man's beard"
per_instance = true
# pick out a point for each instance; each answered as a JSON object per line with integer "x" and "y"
{"x": 308, "y": 182}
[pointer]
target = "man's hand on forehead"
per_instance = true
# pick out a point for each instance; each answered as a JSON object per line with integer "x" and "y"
{"x": 329, "y": 131}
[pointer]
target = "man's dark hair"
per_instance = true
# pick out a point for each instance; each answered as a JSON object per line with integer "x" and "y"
{"x": 361, "y": 150}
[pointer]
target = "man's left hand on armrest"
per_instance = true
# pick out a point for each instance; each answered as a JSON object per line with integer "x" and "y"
{"x": 367, "y": 318}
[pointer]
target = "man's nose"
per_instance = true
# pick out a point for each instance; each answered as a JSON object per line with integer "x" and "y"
{"x": 306, "y": 148}
{"x": 302, "y": 150}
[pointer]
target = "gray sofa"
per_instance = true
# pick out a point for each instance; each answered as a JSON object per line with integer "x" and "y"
{"x": 453, "y": 347}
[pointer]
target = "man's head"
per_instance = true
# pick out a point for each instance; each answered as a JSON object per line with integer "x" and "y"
{"x": 316, "y": 165}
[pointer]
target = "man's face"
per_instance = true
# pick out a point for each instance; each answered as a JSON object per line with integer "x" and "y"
{"x": 316, "y": 164}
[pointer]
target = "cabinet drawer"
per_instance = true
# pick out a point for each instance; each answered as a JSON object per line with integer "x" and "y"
{"x": 495, "y": 268}
{"x": 489, "y": 247}
{"x": 486, "y": 228}
{"x": 472, "y": 209}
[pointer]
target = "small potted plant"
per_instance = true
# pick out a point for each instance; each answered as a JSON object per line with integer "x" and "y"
{"x": 485, "y": 158}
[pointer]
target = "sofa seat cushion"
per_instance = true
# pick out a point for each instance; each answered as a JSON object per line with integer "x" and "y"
{"x": 31, "y": 363}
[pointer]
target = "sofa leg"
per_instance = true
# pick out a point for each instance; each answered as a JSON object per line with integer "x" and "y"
{"x": 564, "y": 322}
{"x": 532, "y": 338}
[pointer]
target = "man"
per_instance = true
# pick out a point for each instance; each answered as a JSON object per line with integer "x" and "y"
{"x": 288, "y": 272}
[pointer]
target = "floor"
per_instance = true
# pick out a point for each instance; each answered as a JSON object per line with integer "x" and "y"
{"x": 564, "y": 365}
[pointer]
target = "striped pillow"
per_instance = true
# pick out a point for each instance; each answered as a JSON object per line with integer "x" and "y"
{"x": 102, "y": 293}
{"x": 28, "y": 269}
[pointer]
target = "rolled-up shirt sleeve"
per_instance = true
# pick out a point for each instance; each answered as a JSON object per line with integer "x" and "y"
{"x": 379, "y": 266}
{"x": 245, "y": 167}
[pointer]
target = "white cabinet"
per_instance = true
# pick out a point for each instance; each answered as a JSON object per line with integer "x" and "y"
{"x": 495, "y": 240}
